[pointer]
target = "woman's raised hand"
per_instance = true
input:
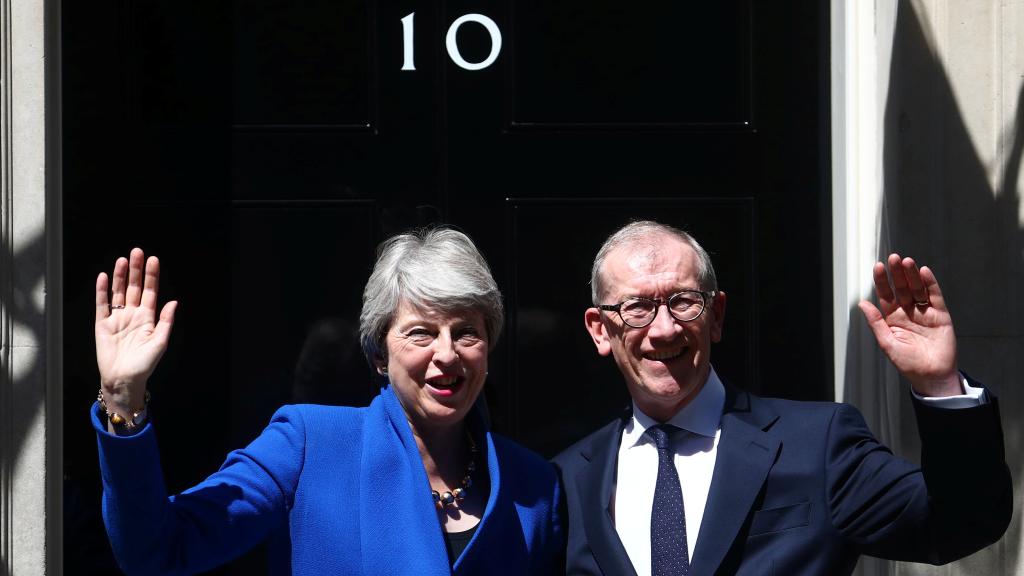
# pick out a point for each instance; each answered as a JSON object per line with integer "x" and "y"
{"x": 129, "y": 339}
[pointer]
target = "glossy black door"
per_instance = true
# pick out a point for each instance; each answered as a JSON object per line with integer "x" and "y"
{"x": 263, "y": 149}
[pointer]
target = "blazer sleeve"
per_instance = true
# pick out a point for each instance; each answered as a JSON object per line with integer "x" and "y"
{"x": 957, "y": 502}
{"x": 208, "y": 524}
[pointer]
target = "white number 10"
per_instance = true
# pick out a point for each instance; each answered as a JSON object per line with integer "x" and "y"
{"x": 451, "y": 42}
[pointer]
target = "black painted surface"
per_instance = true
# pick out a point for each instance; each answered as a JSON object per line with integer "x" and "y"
{"x": 263, "y": 149}
{"x": 683, "y": 64}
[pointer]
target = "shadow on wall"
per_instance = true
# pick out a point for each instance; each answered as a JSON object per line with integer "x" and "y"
{"x": 29, "y": 370}
{"x": 940, "y": 206}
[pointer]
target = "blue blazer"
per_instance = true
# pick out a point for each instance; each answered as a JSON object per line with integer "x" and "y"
{"x": 805, "y": 488}
{"x": 350, "y": 485}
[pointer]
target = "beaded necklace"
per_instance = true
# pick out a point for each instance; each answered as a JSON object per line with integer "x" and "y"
{"x": 454, "y": 497}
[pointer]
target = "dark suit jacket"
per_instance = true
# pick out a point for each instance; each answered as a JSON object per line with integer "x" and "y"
{"x": 805, "y": 488}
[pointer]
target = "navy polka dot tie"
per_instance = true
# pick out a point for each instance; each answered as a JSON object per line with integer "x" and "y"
{"x": 669, "y": 555}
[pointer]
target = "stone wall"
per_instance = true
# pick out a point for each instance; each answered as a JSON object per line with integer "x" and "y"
{"x": 25, "y": 478}
{"x": 928, "y": 141}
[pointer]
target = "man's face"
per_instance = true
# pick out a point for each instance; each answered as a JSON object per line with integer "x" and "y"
{"x": 667, "y": 362}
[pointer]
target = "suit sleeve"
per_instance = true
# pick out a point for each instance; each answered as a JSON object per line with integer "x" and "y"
{"x": 957, "y": 502}
{"x": 209, "y": 524}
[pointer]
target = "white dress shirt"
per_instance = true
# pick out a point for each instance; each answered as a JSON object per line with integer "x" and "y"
{"x": 696, "y": 448}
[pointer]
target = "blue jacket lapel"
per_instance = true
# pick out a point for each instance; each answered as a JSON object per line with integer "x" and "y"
{"x": 745, "y": 456}
{"x": 493, "y": 533}
{"x": 400, "y": 533}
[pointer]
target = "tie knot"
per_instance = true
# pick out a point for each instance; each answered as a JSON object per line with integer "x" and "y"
{"x": 661, "y": 434}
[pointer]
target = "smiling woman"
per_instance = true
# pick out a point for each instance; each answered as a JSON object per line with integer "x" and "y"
{"x": 437, "y": 364}
{"x": 420, "y": 456}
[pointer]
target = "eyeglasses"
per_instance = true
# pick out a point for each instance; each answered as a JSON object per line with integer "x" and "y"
{"x": 684, "y": 306}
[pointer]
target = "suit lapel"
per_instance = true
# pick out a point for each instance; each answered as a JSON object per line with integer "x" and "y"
{"x": 745, "y": 455}
{"x": 595, "y": 482}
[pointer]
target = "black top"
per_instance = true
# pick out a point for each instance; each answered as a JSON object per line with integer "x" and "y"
{"x": 456, "y": 542}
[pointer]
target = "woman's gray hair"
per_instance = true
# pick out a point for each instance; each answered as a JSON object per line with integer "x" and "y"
{"x": 434, "y": 269}
{"x": 647, "y": 231}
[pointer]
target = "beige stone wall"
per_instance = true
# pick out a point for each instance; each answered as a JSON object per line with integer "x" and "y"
{"x": 944, "y": 185}
{"x": 954, "y": 189}
{"x": 23, "y": 472}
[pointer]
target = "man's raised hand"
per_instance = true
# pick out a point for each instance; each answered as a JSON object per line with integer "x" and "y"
{"x": 913, "y": 326}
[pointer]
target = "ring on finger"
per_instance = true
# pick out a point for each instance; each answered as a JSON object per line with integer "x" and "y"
{"x": 922, "y": 303}
{"x": 117, "y": 306}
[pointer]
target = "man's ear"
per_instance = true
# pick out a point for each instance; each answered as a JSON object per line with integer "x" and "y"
{"x": 717, "y": 316}
{"x": 598, "y": 331}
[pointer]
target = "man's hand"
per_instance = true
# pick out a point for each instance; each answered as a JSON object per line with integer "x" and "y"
{"x": 913, "y": 327}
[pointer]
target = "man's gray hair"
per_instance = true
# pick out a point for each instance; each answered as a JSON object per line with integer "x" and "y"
{"x": 646, "y": 232}
{"x": 437, "y": 269}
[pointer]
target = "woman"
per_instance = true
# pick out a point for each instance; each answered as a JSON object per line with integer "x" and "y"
{"x": 412, "y": 484}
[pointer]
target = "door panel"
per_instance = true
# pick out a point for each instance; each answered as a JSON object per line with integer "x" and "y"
{"x": 304, "y": 64}
{"x": 263, "y": 149}
{"x": 666, "y": 65}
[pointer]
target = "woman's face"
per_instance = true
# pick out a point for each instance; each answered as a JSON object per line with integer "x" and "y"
{"x": 437, "y": 363}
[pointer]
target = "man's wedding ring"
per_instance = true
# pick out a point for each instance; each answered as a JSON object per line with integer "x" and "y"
{"x": 117, "y": 306}
{"x": 922, "y": 303}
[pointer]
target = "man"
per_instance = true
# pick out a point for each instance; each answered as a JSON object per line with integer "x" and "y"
{"x": 737, "y": 484}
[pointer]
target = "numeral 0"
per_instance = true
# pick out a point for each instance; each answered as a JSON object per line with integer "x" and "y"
{"x": 451, "y": 42}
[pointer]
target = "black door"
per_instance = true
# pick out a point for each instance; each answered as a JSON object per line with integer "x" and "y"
{"x": 263, "y": 148}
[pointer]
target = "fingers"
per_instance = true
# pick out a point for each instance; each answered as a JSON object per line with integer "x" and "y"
{"x": 911, "y": 287}
{"x": 900, "y": 282}
{"x": 133, "y": 294}
{"x": 877, "y": 323}
{"x": 102, "y": 301}
{"x": 918, "y": 289}
{"x": 931, "y": 285}
{"x": 151, "y": 284}
{"x": 135, "y": 282}
{"x": 886, "y": 297}
{"x": 119, "y": 281}
{"x": 162, "y": 330}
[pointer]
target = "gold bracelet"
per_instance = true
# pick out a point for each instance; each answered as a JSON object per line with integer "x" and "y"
{"x": 138, "y": 416}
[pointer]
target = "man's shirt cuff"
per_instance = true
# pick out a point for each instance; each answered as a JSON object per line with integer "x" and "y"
{"x": 973, "y": 396}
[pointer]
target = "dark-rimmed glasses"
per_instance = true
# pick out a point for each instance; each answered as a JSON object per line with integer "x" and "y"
{"x": 685, "y": 306}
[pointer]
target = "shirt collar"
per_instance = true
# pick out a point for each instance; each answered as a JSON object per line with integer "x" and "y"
{"x": 701, "y": 416}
